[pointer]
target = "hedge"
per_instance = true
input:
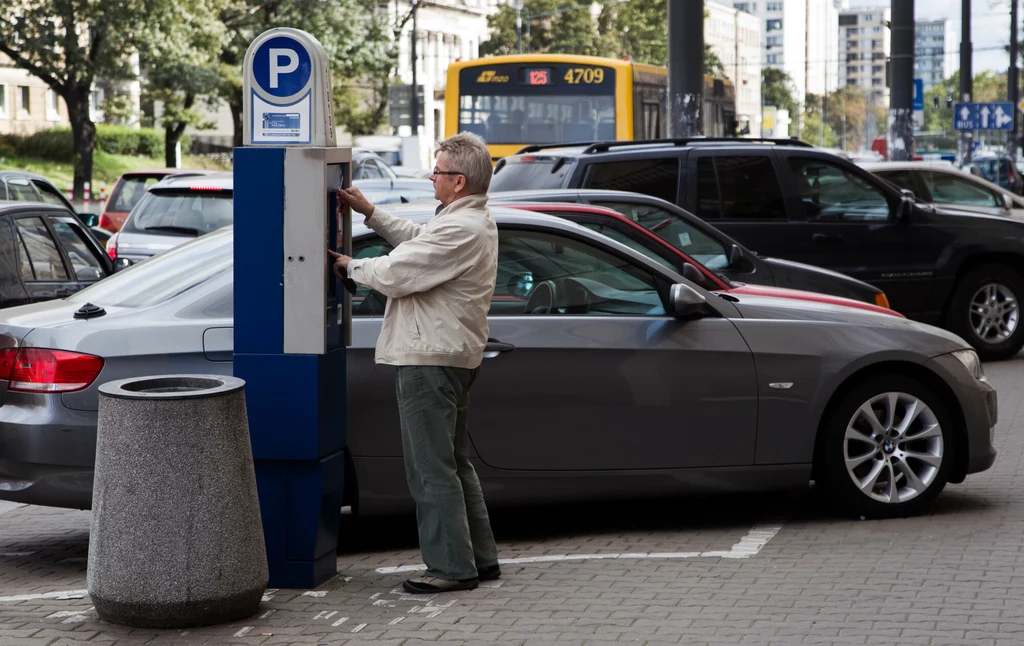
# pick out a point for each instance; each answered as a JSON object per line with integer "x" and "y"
{"x": 56, "y": 144}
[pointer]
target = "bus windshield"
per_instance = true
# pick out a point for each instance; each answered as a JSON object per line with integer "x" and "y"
{"x": 523, "y": 118}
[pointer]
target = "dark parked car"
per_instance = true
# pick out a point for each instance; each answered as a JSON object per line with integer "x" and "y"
{"x": 786, "y": 199}
{"x": 609, "y": 376}
{"x": 45, "y": 253}
{"x": 16, "y": 185}
{"x": 719, "y": 252}
{"x": 999, "y": 170}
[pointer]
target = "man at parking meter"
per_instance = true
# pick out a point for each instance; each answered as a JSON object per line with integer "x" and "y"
{"x": 439, "y": 280}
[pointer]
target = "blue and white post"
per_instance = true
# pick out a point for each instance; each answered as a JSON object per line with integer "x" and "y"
{"x": 291, "y": 315}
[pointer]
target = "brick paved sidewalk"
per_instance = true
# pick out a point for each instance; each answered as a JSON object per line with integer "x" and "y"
{"x": 949, "y": 577}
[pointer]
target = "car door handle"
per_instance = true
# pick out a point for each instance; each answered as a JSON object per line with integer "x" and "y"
{"x": 832, "y": 238}
{"x": 494, "y": 348}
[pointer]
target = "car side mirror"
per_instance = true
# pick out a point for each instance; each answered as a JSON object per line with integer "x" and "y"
{"x": 906, "y": 205}
{"x": 89, "y": 219}
{"x": 122, "y": 263}
{"x": 685, "y": 300}
{"x": 1007, "y": 201}
{"x": 738, "y": 261}
{"x": 693, "y": 274}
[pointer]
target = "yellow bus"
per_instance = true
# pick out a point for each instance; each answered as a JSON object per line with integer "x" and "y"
{"x": 532, "y": 99}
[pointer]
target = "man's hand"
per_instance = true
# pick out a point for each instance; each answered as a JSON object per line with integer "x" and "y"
{"x": 340, "y": 264}
{"x": 354, "y": 198}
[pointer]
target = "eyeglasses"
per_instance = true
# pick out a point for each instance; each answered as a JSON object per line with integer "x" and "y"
{"x": 445, "y": 172}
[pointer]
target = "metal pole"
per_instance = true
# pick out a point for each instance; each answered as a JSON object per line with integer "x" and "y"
{"x": 685, "y": 67}
{"x": 901, "y": 108}
{"x": 966, "y": 75}
{"x": 414, "y": 100}
{"x": 519, "y": 26}
{"x": 1011, "y": 146}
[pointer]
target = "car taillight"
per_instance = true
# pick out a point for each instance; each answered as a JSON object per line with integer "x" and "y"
{"x": 106, "y": 223}
{"x": 112, "y": 251}
{"x": 37, "y": 370}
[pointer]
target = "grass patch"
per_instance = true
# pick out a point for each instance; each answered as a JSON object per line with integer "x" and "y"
{"x": 105, "y": 167}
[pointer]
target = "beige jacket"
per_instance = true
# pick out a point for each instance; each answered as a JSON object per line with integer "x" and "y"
{"x": 439, "y": 280}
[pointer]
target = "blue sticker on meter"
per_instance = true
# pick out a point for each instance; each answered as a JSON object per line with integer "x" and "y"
{"x": 281, "y": 121}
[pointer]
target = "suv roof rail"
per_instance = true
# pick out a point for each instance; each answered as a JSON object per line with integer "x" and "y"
{"x": 533, "y": 148}
{"x": 604, "y": 146}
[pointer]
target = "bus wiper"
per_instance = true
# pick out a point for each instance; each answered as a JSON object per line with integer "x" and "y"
{"x": 173, "y": 229}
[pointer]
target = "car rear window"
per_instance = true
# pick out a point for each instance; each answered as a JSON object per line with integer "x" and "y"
{"x": 185, "y": 213}
{"x": 533, "y": 173}
{"x": 164, "y": 276}
{"x": 130, "y": 191}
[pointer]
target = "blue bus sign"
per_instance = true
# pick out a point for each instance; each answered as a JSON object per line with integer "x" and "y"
{"x": 983, "y": 116}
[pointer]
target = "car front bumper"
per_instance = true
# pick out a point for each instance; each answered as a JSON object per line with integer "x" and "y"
{"x": 47, "y": 452}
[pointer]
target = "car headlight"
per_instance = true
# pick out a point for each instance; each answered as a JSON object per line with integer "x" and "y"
{"x": 971, "y": 361}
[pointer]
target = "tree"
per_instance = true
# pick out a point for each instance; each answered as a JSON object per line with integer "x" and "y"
{"x": 814, "y": 131}
{"x": 777, "y": 89}
{"x": 69, "y": 44}
{"x": 574, "y": 31}
{"x": 179, "y": 65}
{"x": 350, "y": 30}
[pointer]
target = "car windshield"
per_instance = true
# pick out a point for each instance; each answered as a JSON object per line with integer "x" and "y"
{"x": 181, "y": 212}
{"x": 164, "y": 276}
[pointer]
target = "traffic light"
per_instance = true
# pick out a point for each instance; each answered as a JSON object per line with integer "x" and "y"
{"x": 949, "y": 99}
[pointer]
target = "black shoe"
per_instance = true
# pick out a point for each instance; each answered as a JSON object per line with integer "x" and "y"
{"x": 432, "y": 585}
{"x": 490, "y": 573}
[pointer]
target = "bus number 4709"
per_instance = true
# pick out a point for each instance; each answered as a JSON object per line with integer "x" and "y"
{"x": 584, "y": 75}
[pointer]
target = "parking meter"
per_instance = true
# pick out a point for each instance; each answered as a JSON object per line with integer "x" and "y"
{"x": 292, "y": 316}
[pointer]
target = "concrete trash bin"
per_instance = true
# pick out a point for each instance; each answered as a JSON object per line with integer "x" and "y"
{"x": 176, "y": 539}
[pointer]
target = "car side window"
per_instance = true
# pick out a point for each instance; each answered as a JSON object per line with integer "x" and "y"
{"x": 542, "y": 274}
{"x": 908, "y": 180}
{"x": 955, "y": 190}
{"x": 738, "y": 188}
{"x": 676, "y": 231}
{"x": 385, "y": 170}
{"x": 366, "y": 301}
{"x": 367, "y": 170}
{"x": 48, "y": 193}
{"x": 656, "y": 177}
{"x": 84, "y": 263}
{"x": 622, "y": 238}
{"x": 828, "y": 191}
{"x": 21, "y": 190}
{"x": 40, "y": 249}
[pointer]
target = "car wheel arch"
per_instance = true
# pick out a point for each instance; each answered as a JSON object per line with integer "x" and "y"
{"x": 1014, "y": 261}
{"x": 914, "y": 371}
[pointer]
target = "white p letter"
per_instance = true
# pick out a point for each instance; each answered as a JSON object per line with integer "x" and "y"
{"x": 276, "y": 69}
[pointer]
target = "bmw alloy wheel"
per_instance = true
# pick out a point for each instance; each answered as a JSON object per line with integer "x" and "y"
{"x": 893, "y": 447}
{"x": 995, "y": 313}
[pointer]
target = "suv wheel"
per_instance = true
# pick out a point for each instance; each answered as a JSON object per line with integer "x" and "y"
{"x": 887, "y": 449}
{"x": 986, "y": 311}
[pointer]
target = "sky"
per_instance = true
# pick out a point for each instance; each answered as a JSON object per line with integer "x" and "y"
{"x": 990, "y": 27}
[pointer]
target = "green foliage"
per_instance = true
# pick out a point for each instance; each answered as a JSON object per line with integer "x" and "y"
{"x": 56, "y": 144}
{"x": 777, "y": 89}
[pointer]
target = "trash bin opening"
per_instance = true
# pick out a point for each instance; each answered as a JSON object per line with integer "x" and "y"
{"x": 173, "y": 385}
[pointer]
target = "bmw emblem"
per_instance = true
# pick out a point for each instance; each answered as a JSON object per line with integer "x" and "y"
{"x": 888, "y": 446}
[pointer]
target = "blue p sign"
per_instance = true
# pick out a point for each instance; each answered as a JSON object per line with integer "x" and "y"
{"x": 281, "y": 67}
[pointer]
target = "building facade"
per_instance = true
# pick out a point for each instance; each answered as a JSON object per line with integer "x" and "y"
{"x": 864, "y": 48}
{"x": 784, "y": 37}
{"x": 27, "y": 104}
{"x": 822, "y": 60}
{"x": 935, "y": 51}
{"x": 735, "y": 37}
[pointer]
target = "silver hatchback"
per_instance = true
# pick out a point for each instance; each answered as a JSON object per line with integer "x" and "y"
{"x": 173, "y": 211}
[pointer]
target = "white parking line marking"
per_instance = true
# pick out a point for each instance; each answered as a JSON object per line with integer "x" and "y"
{"x": 318, "y": 594}
{"x": 9, "y": 506}
{"x": 17, "y": 553}
{"x": 62, "y": 596}
{"x": 748, "y": 546}
{"x": 339, "y": 622}
{"x": 242, "y": 632}
{"x": 395, "y": 622}
{"x": 267, "y": 614}
{"x": 358, "y": 628}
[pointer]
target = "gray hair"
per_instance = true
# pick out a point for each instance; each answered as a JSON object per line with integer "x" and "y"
{"x": 468, "y": 154}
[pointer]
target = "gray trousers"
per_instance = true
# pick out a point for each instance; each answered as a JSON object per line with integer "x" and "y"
{"x": 454, "y": 529}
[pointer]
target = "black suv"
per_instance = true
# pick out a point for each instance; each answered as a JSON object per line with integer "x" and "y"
{"x": 787, "y": 199}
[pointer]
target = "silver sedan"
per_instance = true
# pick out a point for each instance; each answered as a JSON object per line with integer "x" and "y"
{"x": 609, "y": 376}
